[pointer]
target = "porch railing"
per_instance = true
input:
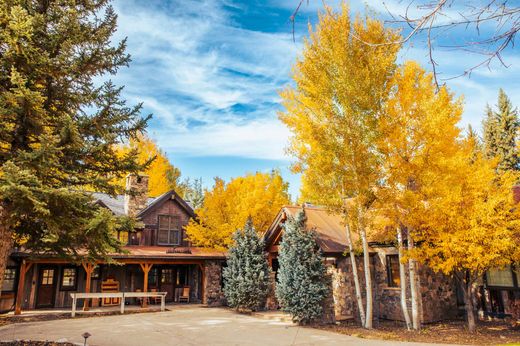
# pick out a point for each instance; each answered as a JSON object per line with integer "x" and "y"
{"x": 121, "y": 295}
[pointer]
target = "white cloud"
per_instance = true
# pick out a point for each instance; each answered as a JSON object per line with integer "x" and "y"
{"x": 262, "y": 139}
{"x": 205, "y": 78}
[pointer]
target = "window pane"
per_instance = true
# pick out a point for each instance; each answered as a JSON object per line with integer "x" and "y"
{"x": 166, "y": 276}
{"x": 175, "y": 237}
{"x": 152, "y": 277}
{"x": 9, "y": 278}
{"x": 393, "y": 270}
{"x": 163, "y": 237}
{"x": 164, "y": 222}
{"x": 69, "y": 277}
{"x": 500, "y": 277}
{"x": 175, "y": 222}
{"x": 48, "y": 277}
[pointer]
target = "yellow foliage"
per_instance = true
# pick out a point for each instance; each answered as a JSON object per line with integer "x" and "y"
{"x": 227, "y": 207}
{"x": 163, "y": 176}
{"x": 340, "y": 86}
{"x": 473, "y": 224}
{"x": 418, "y": 132}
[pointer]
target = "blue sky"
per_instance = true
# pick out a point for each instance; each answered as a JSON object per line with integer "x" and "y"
{"x": 210, "y": 72}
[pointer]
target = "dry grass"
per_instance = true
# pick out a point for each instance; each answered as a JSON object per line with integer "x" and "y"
{"x": 452, "y": 332}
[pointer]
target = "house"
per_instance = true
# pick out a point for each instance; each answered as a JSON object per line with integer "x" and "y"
{"x": 438, "y": 299}
{"x": 499, "y": 289}
{"x": 158, "y": 257}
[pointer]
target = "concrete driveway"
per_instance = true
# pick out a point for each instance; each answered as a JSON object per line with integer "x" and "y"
{"x": 185, "y": 325}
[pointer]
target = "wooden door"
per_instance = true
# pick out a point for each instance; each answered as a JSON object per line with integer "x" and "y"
{"x": 167, "y": 282}
{"x": 47, "y": 277}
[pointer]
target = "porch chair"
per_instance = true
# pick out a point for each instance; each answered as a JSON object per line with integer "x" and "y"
{"x": 185, "y": 295}
{"x": 140, "y": 300}
{"x": 155, "y": 300}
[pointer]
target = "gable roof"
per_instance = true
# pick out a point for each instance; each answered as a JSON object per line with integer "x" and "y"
{"x": 117, "y": 204}
{"x": 164, "y": 197}
{"x": 329, "y": 228}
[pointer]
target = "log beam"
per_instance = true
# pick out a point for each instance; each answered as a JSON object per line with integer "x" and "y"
{"x": 146, "y": 269}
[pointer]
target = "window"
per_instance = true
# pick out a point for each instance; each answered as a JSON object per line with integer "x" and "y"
{"x": 153, "y": 277}
{"x": 9, "y": 279}
{"x": 182, "y": 276}
{"x": 166, "y": 276}
{"x": 169, "y": 230}
{"x": 68, "y": 278}
{"x": 96, "y": 273}
{"x": 47, "y": 277}
{"x": 392, "y": 271}
{"x": 500, "y": 277}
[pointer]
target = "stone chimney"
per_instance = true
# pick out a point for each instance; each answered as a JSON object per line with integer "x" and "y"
{"x": 136, "y": 193}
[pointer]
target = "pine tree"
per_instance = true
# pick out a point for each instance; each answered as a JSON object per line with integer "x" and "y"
{"x": 501, "y": 133}
{"x": 301, "y": 286}
{"x": 246, "y": 277}
{"x": 58, "y": 130}
{"x": 194, "y": 192}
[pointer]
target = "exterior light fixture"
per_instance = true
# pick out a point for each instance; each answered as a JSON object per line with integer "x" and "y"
{"x": 85, "y": 336}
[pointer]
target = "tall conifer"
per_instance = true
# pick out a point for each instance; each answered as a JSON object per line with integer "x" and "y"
{"x": 58, "y": 129}
{"x": 246, "y": 276}
{"x": 301, "y": 287}
{"x": 501, "y": 133}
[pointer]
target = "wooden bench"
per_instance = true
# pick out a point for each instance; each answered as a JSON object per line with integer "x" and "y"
{"x": 119, "y": 295}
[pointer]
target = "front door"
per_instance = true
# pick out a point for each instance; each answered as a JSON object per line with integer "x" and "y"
{"x": 47, "y": 278}
{"x": 167, "y": 282}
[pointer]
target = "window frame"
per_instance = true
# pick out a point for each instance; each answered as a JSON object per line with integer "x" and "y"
{"x": 514, "y": 270}
{"x": 390, "y": 279}
{"x": 170, "y": 231}
{"x": 74, "y": 287}
{"x": 15, "y": 278}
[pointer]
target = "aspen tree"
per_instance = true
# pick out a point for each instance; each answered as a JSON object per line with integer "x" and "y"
{"x": 332, "y": 111}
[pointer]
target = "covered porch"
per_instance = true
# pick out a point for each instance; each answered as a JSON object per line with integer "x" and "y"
{"x": 48, "y": 283}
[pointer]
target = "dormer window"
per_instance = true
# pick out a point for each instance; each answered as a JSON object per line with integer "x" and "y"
{"x": 169, "y": 232}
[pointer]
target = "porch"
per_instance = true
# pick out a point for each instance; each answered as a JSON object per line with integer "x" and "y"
{"x": 48, "y": 284}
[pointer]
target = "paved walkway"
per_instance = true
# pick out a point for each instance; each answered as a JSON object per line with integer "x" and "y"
{"x": 183, "y": 325}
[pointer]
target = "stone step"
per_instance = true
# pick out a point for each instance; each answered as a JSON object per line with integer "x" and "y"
{"x": 273, "y": 316}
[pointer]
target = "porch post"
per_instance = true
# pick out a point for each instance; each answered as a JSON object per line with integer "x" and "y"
{"x": 89, "y": 268}
{"x": 203, "y": 284}
{"x": 24, "y": 268}
{"x": 146, "y": 269}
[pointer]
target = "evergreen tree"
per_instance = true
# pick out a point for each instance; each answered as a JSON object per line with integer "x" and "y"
{"x": 58, "y": 130}
{"x": 194, "y": 192}
{"x": 246, "y": 277}
{"x": 501, "y": 134}
{"x": 301, "y": 286}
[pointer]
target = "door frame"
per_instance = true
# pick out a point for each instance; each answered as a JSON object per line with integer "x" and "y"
{"x": 38, "y": 285}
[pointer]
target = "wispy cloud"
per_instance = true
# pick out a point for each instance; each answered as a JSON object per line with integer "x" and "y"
{"x": 213, "y": 86}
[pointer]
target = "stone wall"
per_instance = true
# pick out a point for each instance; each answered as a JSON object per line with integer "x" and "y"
{"x": 213, "y": 294}
{"x": 438, "y": 293}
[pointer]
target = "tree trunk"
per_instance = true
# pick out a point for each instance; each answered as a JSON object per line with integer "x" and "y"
{"x": 413, "y": 288}
{"x": 368, "y": 276}
{"x": 6, "y": 243}
{"x": 356, "y": 277}
{"x": 467, "y": 289}
{"x": 402, "y": 277}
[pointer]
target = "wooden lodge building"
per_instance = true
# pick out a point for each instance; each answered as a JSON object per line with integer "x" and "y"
{"x": 158, "y": 258}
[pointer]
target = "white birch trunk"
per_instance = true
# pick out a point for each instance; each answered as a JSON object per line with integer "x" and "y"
{"x": 356, "y": 277}
{"x": 413, "y": 288}
{"x": 368, "y": 276}
{"x": 402, "y": 276}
